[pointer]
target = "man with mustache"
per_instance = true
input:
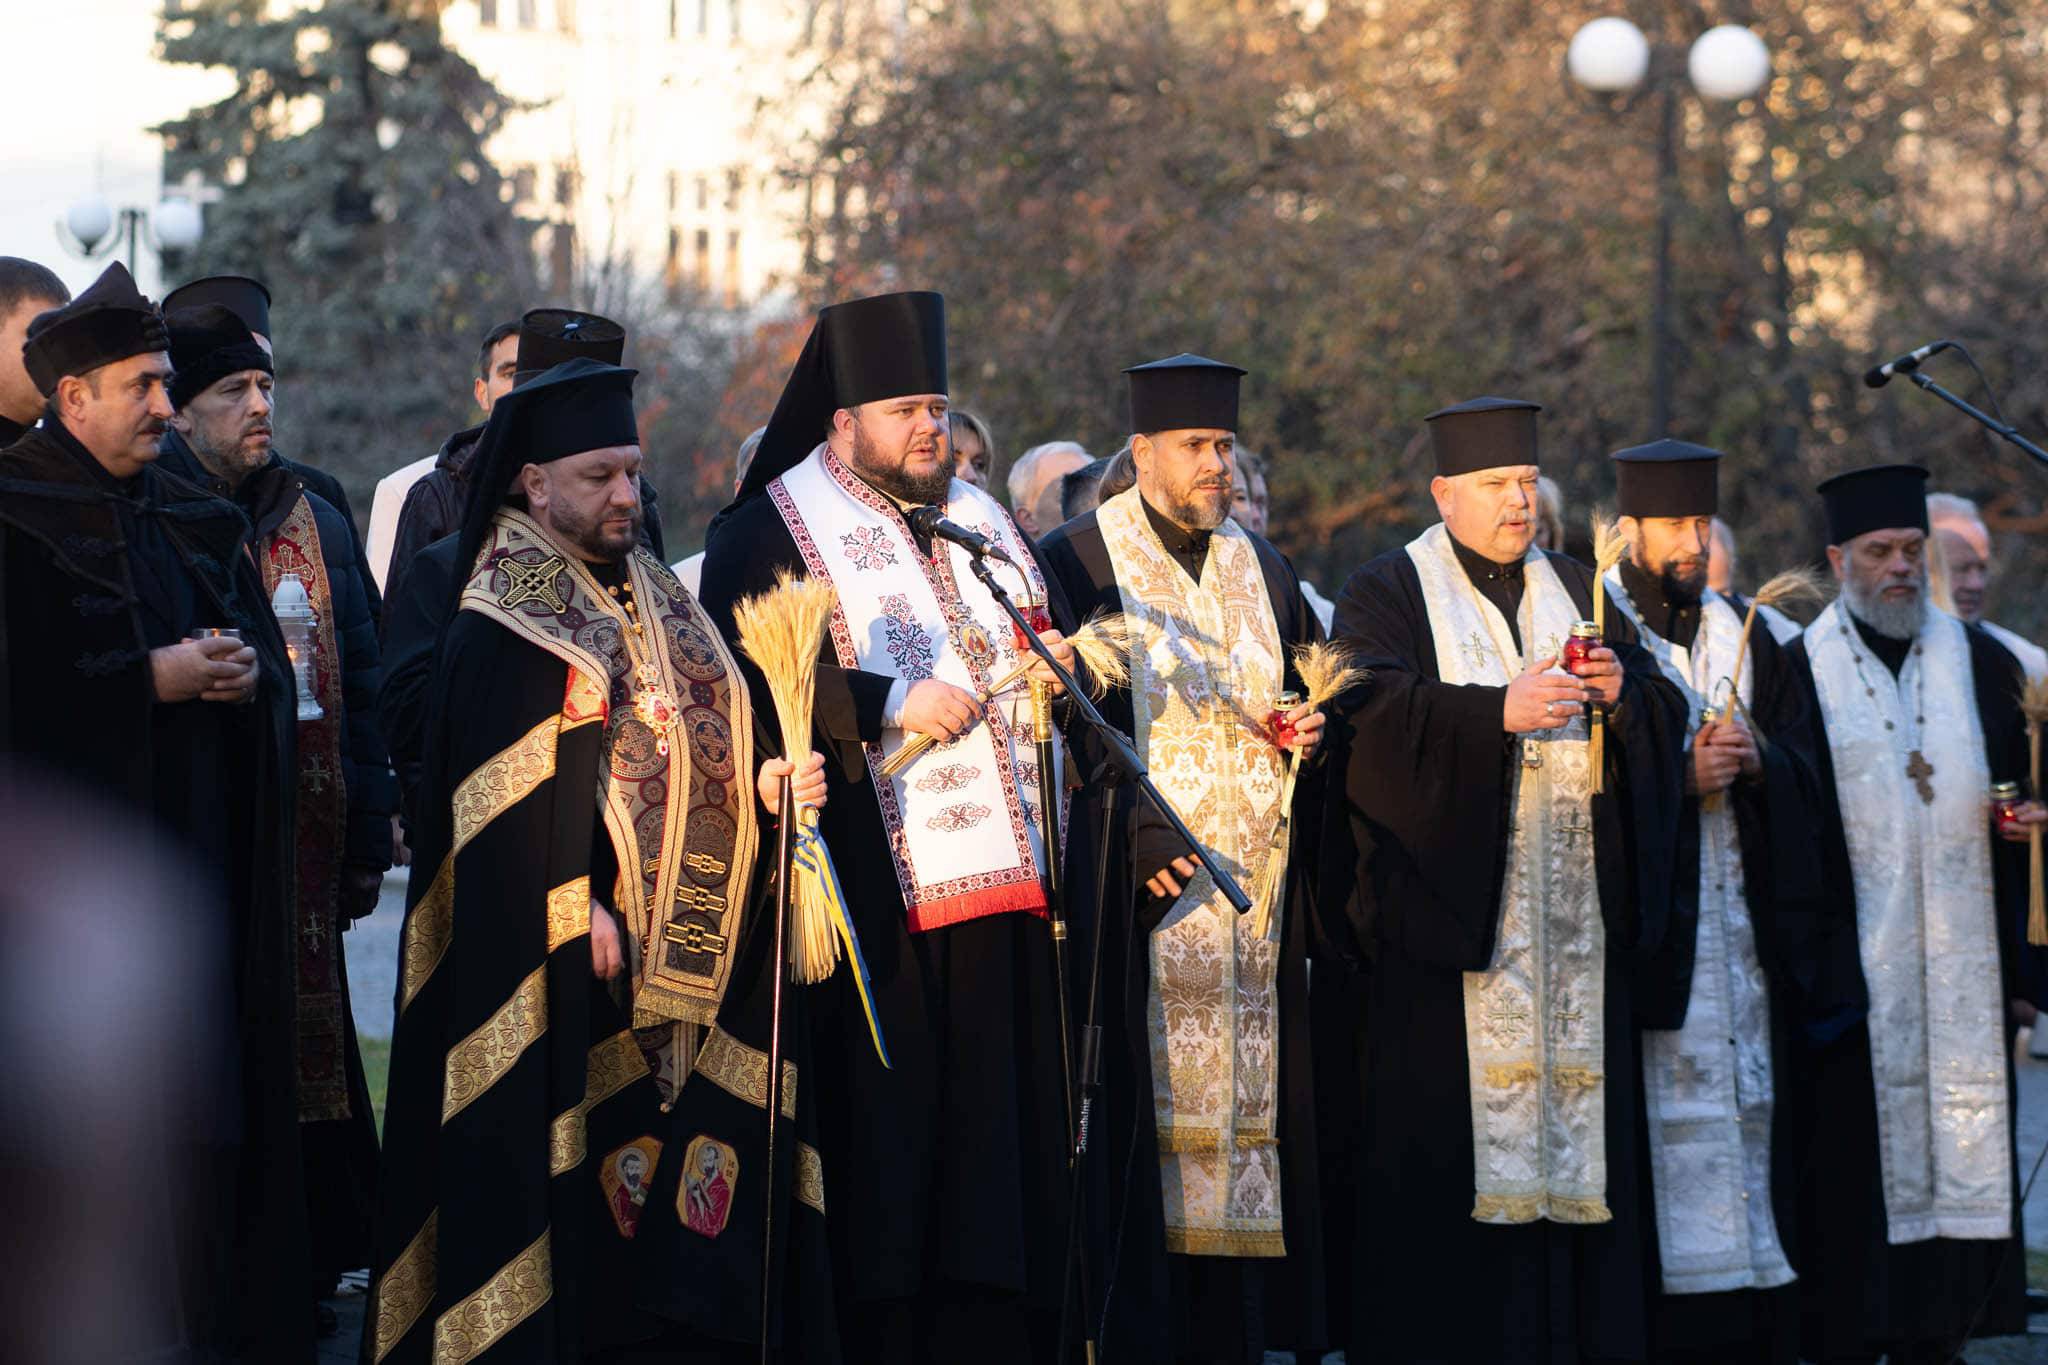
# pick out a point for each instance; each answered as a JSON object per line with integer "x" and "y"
{"x": 943, "y": 1169}
{"x": 1216, "y": 1187}
{"x": 223, "y": 403}
{"x": 1757, "y": 956}
{"x": 1501, "y": 907}
{"x": 120, "y": 581}
{"x": 1909, "y": 1193}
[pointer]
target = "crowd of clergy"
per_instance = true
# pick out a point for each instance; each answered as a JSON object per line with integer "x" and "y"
{"x": 1515, "y": 958}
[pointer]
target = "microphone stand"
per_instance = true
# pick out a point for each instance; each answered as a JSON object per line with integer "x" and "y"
{"x": 1120, "y": 763}
{"x": 2004, "y": 430}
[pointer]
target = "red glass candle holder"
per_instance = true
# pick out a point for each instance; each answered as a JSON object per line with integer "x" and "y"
{"x": 1579, "y": 647}
{"x": 2005, "y": 807}
{"x": 1277, "y": 724}
{"x": 1040, "y": 619}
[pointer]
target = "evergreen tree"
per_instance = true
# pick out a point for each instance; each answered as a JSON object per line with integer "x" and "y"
{"x": 351, "y": 152}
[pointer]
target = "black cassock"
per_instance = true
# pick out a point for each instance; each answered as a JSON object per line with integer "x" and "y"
{"x": 1430, "y": 780}
{"x": 98, "y": 572}
{"x": 945, "y": 1175}
{"x": 1161, "y": 1306}
{"x": 1806, "y": 944}
{"x": 1858, "y": 1293}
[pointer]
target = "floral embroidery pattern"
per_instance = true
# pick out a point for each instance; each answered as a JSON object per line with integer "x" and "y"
{"x": 908, "y": 645}
{"x": 964, "y": 815}
{"x": 948, "y": 777}
{"x": 869, "y": 548}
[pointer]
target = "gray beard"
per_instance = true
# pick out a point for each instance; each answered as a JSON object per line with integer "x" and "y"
{"x": 1893, "y": 620}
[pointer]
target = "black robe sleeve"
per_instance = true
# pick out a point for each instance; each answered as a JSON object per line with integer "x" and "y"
{"x": 418, "y": 607}
{"x": 1430, "y": 778}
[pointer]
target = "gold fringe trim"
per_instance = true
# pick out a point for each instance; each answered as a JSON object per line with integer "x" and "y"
{"x": 507, "y": 1299}
{"x": 1528, "y": 1208}
{"x": 568, "y": 912}
{"x": 742, "y": 1071}
{"x": 1225, "y": 1242}
{"x": 479, "y": 1061}
{"x": 428, "y": 928}
{"x": 810, "y": 1177}
{"x": 1508, "y": 1075}
{"x": 1579, "y": 1210}
{"x": 407, "y": 1287}
{"x": 613, "y": 1065}
{"x": 1576, "y": 1077}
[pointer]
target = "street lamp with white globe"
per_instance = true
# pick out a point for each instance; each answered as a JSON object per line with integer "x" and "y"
{"x": 1616, "y": 62}
{"x": 93, "y": 229}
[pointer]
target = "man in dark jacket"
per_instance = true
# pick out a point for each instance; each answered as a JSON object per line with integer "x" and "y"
{"x": 26, "y": 290}
{"x": 122, "y": 587}
{"x": 220, "y": 438}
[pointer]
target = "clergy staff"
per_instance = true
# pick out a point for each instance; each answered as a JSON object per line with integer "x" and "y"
{"x": 589, "y": 820}
{"x": 1754, "y": 949}
{"x": 1909, "y": 1193}
{"x": 1213, "y": 1190}
{"x": 1504, "y": 906}
{"x": 944, "y": 1171}
{"x": 27, "y": 288}
{"x": 125, "y": 588}
{"x": 220, "y": 439}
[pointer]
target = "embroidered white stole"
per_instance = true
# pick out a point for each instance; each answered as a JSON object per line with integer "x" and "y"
{"x": 964, "y": 838}
{"x": 1708, "y": 1085}
{"x": 1926, "y": 923}
{"x": 1206, "y": 665}
{"x": 1535, "y": 1021}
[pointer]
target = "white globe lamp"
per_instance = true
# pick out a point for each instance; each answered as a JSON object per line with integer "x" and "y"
{"x": 90, "y": 219}
{"x": 1728, "y": 62}
{"x": 178, "y": 224}
{"x": 1608, "y": 56}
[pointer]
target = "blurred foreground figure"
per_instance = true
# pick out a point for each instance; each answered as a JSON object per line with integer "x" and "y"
{"x": 1909, "y": 1198}
{"x": 142, "y": 660}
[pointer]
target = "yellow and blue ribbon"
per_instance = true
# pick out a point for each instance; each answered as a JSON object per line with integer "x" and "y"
{"x": 814, "y": 866}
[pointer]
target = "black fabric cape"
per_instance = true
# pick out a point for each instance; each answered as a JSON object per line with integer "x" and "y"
{"x": 1429, "y": 778}
{"x": 482, "y": 1176}
{"x": 1807, "y": 946}
{"x": 951, "y": 1208}
{"x": 97, "y": 573}
{"x": 1859, "y": 1293}
{"x": 417, "y": 609}
{"x": 1161, "y": 1307}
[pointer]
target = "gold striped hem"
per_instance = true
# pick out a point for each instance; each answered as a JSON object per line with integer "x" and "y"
{"x": 1225, "y": 1242}
{"x": 568, "y": 912}
{"x": 742, "y": 1071}
{"x": 479, "y": 1061}
{"x": 810, "y": 1177}
{"x": 427, "y": 931}
{"x": 406, "y": 1288}
{"x": 507, "y": 1299}
{"x": 613, "y": 1065}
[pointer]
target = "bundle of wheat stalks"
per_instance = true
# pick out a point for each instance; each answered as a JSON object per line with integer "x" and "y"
{"x": 1326, "y": 671}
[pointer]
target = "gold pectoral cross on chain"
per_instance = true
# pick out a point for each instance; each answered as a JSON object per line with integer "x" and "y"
{"x": 1919, "y": 769}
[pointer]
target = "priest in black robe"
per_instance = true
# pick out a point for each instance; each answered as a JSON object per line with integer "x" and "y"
{"x": 1909, "y": 1186}
{"x": 947, "y": 1228}
{"x": 587, "y": 836}
{"x": 112, "y": 568}
{"x": 1214, "y": 1246}
{"x": 1500, "y": 1242}
{"x": 249, "y": 300}
{"x": 1760, "y": 958}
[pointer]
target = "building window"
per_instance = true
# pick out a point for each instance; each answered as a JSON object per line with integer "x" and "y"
{"x": 703, "y": 17}
{"x": 732, "y": 269}
{"x": 674, "y": 18}
{"x": 675, "y": 192}
{"x": 487, "y": 13}
{"x": 735, "y": 20}
{"x": 672, "y": 268}
{"x": 565, "y": 185}
{"x": 700, "y": 270}
{"x": 562, "y": 259}
{"x": 735, "y": 179}
{"x": 703, "y": 193}
{"x": 523, "y": 181}
{"x": 528, "y": 15}
{"x": 565, "y": 16}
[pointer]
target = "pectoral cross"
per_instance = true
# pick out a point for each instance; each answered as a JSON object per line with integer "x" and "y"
{"x": 1688, "y": 1077}
{"x": 1919, "y": 769}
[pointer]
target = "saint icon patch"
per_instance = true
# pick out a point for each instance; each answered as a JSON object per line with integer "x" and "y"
{"x": 625, "y": 1175}
{"x": 710, "y": 1171}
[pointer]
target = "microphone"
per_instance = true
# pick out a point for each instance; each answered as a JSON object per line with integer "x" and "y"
{"x": 1905, "y": 364}
{"x": 931, "y": 522}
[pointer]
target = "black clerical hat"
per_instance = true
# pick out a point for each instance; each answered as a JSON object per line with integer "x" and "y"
{"x": 1883, "y": 497}
{"x": 110, "y": 321}
{"x": 1667, "y": 479}
{"x": 209, "y": 343}
{"x": 246, "y": 298}
{"x": 549, "y": 336}
{"x": 1184, "y": 392}
{"x": 578, "y": 405}
{"x": 1483, "y": 433}
{"x": 860, "y": 351}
